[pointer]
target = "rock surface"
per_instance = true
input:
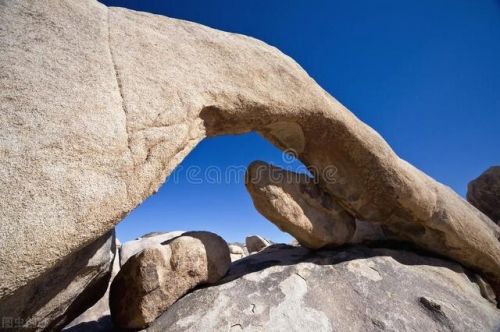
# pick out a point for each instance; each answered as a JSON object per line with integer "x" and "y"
{"x": 286, "y": 288}
{"x": 98, "y": 105}
{"x": 237, "y": 252}
{"x": 255, "y": 243}
{"x": 484, "y": 193}
{"x": 130, "y": 248}
{"x": 97, "y": 317}
{"x": 153, "y": 279}
{"x": 298, "y": 206}
{"x": 64, "y": 292}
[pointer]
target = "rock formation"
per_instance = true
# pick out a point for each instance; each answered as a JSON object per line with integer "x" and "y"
{"x": 64, "y": 292}
{"x": 484, "y": 193}
{"x": 255, "y": 243}
{"x": 298, "y": 206}
{"x": 286, "y": 288}
{"x": 130, "y": 248}
{"x": 153, "y": 279}
{"x": 97, "y": 317}
{"x": 98, "y": 105}
{"x": 237, "y": 252}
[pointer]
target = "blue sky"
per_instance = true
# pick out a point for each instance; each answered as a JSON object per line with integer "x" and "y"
{"x": 425, "y": 74}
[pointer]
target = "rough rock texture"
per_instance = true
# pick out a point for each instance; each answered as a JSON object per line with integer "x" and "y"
{"x": 484, "y": 193}
{"x": 237, "y": 252}
{"x": 153, "y": 279}
{"x": 130, "y": 248}
{"x": 255, "y": 243}
{"x": 98, "y": 106}
{"x": 58, "y": 296}
{"x": 98, "y": 316}
{"x": 298, "y": 206}
{"x": 286, "y": 288}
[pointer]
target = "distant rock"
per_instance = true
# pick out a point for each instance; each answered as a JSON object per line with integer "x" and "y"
{"x": 130, "y": 248}
{"x": 97, "y": 317}
{"x": 484, "y": 193}
{"x": 237, "y": 252}
{"x": 286, "y": 288}
{"x": 255, "y": 243}
{"x": 150, "y": 281}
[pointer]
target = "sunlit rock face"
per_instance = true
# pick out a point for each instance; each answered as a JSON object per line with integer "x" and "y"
{"x": 98, "y": 105}
{"x": 284, "y": 288}
{"x": 130, "y": 248}
{"x": 153, "y": 279}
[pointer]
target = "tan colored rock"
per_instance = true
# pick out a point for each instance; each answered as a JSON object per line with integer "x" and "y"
{"x": 295, "y": 204}
{"x": 98, "y": 106}
{"x": 255, "y": 243}
{"x": 153, "y": 279}
{"x": 236, "y": 252}
{"x": 348, "y": 289}
{"x": 484, "y": 193}
{"x": 130, "y": 248}
{"x": 298, "y": 206}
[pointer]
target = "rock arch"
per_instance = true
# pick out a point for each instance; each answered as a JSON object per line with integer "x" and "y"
{"x": 99, "y": 105}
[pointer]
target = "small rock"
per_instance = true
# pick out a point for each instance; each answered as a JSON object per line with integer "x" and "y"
{"x": 256, "y": 243}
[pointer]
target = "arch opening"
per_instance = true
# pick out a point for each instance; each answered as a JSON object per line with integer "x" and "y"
{"x": 206, "y": 191}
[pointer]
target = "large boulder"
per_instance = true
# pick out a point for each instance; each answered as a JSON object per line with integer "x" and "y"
{"x": 297, "y": 205}
{"x": 153, "y": 279}
{"x": 484, "y": 193}
{"x": 130, "y": 248}
{"x": 286, "y": 288}
{"x": 98, "y": 105}
{"x": 57, "y": 297}
{"x": 97, "y": 317}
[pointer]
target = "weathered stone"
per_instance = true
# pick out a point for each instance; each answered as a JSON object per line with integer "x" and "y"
{"x": 153, "y": 279}
{"x": 484, "y": 193}
{"x": 98, "y": 106}
{"x": 298, "y": 206}
{"x": 236, "y": 252}
{"x": 287, "y": 288}
{"x": 130, "y": 248}
{"x": 255, "y": 243}
{"x": 55, "y": 298}
{"x": 97, "y": 317}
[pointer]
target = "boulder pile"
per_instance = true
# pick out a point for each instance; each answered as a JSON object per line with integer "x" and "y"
{"x": 99, "y": 105}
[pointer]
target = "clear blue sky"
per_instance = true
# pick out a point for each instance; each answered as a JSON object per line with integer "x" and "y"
{"x": 425, "y": 74}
